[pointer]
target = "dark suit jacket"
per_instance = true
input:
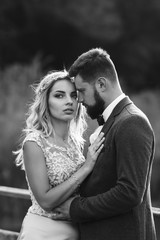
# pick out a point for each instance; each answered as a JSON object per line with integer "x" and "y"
{"x": 115, "y": 199}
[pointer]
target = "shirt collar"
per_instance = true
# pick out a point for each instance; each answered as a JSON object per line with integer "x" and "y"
{"x": 107, "y": 112}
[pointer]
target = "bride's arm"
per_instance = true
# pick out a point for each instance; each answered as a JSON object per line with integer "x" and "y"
{"x": 36, "y": 172}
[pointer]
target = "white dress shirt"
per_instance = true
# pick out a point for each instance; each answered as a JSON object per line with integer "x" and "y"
{"x": 106, "y": 113}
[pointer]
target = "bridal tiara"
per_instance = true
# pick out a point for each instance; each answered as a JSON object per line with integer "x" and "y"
{"x": 44, "y": 85}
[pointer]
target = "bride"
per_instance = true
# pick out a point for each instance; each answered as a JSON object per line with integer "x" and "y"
{"x": 51, "y": 155}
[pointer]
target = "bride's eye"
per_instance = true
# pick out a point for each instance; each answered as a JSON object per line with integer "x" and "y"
{"x": 59, "y": 95}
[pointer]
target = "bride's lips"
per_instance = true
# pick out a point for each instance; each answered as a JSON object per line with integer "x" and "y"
{"x": 69, "y": 110}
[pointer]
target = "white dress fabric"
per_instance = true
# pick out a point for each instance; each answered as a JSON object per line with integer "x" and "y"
{"x": 61, "y": 163}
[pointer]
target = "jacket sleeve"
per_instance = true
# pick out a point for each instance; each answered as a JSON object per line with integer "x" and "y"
{"x": 134, "y": 146}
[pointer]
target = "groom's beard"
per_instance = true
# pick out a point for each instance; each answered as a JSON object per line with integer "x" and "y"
{"x": 97, "y": 109}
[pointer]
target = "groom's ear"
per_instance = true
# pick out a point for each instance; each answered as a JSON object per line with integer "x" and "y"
{"x": 101, "y": 84}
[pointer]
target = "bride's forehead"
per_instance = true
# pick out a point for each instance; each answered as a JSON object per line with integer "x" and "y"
{"x": 63, "y": 85}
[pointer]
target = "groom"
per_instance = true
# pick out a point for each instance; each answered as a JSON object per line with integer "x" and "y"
{"x": 114, "y": 200}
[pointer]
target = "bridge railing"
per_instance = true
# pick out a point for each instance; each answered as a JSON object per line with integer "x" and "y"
{"x": 14, "y": 193}
{"x": 24, "y": 194}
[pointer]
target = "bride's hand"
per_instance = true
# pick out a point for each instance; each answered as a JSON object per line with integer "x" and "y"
{"x": 94, "y": 150}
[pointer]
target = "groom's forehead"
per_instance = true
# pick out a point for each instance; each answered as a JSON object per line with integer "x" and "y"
{"x": 80, "y": 83}
{"x": 78, "y": 79}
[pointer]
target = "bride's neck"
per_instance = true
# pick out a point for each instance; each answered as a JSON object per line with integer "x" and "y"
{"x": 61, "y": 131}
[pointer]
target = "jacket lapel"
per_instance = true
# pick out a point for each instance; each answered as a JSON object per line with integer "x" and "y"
{"x": 116, "y": 111}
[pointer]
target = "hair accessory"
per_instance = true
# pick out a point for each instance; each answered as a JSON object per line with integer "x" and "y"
{"x": 45, "y": 83}
{"x": 52, "y": 77}
{"x": 72, "y": 79}
{"x": 42, "y": 88}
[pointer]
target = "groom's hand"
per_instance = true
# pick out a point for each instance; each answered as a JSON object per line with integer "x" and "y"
{"x": 62, "y": 212}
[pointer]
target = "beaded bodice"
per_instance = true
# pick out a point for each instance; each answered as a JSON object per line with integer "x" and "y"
{"x": 61, "y": 163}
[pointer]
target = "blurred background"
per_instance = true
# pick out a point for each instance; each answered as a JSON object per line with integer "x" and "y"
{"x": 37, "y": 36}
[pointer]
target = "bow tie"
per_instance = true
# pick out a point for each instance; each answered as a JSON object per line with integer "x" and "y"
{"x": 100, "y": 120}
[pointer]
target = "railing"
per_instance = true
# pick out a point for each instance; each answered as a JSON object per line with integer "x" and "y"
{"x": 24, "y": 194}
{"x": 15, "y": 193}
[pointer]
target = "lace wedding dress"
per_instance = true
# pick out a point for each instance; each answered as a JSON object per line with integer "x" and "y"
{"x": 61, "y": 163}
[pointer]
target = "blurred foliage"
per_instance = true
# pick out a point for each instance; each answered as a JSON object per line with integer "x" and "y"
{"x": 149, "y": 102}
{"x": 14, "y": 95}
{"x": 61, "y": 30}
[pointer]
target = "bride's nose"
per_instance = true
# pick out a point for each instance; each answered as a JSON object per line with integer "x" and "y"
{"x": 69, "y": 100}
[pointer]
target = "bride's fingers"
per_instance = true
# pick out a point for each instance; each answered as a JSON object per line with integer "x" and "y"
{"x": 96, "y": 145}
{"x": 99, "y": 138}
{"x": 102, "y": 140}
{"x": 99, "y": 149}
